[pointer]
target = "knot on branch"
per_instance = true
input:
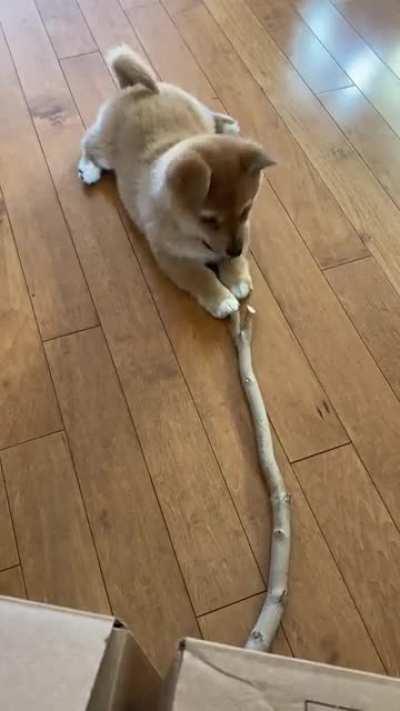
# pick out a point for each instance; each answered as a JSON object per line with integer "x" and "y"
{"x": 277, "y": 597}
{"x": 284, "y": 498}
{"x": 256, "y": 635}
{"x": 279, "y": 533}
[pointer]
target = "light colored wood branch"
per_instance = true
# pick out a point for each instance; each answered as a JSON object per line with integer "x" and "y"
{"x": 264, "y": 631}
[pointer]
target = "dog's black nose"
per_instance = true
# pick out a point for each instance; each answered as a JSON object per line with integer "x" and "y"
{"x": 234, "y": 252}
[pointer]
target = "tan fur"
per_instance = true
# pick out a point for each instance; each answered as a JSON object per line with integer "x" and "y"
{"x": 186, "y": 186}
{"x": 129, "y": 69}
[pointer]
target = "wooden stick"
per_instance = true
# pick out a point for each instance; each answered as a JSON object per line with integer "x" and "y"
{"x": 264, "y": 631}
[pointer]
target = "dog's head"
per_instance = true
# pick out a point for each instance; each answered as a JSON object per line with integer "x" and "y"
{"x": 214, "y": 181}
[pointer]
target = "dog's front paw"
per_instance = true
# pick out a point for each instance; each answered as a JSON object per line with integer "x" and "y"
{"x": 88, "y": 171}
{"x": 224, "y": 307}
{"x": 235, "y": 275}
{"x": 242, "y": 288}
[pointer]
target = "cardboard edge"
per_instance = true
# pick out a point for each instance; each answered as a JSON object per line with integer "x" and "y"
{"x": 170, "y": 685}
{"x": 191, "y": 643}
{"x": 57, "y": 608}
{"x": 126, "y": 679}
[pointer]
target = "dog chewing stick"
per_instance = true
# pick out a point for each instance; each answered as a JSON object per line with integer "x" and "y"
{"x": 264, "y": 631}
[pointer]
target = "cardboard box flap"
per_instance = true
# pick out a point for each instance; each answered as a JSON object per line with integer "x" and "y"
{"x": 51, "y": 660}
{"x": 126, "y": 680}
{"x": 213, "y": 676}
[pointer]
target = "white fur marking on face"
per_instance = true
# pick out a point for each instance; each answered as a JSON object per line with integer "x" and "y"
{"x": 88, "y": 172}
{"x": 209, "y": 215}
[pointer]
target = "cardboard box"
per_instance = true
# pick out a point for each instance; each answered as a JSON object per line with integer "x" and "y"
{"x": 216, "y": 677}
{"x": 54, "y": 659}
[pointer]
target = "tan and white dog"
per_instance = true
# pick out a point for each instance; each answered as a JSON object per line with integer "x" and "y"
{"x": 185, "y": 184}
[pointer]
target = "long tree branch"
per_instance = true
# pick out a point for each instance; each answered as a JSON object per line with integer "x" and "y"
{"x": 264, "y": 631}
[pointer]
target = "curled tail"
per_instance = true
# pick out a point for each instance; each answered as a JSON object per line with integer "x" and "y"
{"x": 130, "y": 69}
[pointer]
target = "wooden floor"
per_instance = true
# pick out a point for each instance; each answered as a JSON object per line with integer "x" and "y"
{"x": 129, "y": 479}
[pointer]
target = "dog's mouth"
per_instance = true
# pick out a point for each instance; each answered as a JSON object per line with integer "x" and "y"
{"x": 207, "y": 245}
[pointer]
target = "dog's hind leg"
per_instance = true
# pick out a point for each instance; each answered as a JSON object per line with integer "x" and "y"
{"x": 88, "y": 171}
{"x": 93, "y": 154}
{"x": 226, "y": 124}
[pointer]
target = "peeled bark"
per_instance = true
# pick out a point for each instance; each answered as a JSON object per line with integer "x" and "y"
{"x": 267, "y": 625}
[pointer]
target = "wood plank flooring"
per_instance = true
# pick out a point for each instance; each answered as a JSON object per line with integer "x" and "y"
{"x": 128, "y": 476}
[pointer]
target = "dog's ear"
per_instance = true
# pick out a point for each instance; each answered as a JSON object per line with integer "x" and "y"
{"x": 189, "y": 177}
{"x": 254, "y": 159}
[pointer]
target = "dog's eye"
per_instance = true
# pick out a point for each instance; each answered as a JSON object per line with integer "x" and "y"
{"x": 210, "y": 221}
{"x": 245, "y": 213}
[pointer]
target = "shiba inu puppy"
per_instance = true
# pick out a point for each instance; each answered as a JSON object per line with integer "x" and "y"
{"x": 186, "y": 179}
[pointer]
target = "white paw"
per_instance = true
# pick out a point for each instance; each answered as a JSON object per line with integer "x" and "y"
{"x": 241, "y": 289}
{"x": 88, "y": 172}
{"x": 224, "y": 308}
{"x": 231, "y": 128}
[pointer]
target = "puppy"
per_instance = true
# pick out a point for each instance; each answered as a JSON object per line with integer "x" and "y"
{"x": 185, "y": 182}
